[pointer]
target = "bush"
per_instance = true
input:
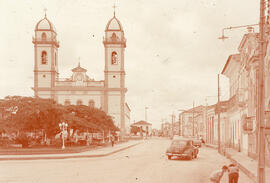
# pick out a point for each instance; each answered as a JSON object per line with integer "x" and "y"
{"x": 22, "y": 139}
{"x": 5, "y": 141}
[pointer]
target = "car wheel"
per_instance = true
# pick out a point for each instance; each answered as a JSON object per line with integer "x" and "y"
{"x": 169, "y": 157}
{"x": 190, "y": 157}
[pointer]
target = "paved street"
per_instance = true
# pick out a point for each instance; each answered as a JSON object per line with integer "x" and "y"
{"x": 144, "y": 163}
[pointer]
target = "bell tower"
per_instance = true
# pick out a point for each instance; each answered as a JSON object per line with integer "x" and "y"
{"x": 114, "y": 72}
{"x": 46, "y": 59}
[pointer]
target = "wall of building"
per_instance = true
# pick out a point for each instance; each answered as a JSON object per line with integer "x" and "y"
{"x": 127, "y": 119}
{"x": 84, "y": 96}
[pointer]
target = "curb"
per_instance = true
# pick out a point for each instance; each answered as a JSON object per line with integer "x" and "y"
{"x": 242, "y": 168}
{"x": 211, "y": 146}
{"x": 71, "y": 156}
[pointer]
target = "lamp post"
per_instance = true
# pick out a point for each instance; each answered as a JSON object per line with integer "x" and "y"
{"x": 260, "y": 104}
{"x": 103, "y": 137}
{"x": 145, "y": 112}
{"x": 63, "y": 127}
{"x": 193, "y": 120}
{"x": 172, "y": 124}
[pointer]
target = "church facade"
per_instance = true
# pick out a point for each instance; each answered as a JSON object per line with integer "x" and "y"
{"x": 79, "y": 89}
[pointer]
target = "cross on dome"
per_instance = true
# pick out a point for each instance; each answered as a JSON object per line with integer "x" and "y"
{"x": 114, "y": 24}
{"x": 114, "y": 7}
{"x": 45, "y": 10}
{"x": 45, "y": 24}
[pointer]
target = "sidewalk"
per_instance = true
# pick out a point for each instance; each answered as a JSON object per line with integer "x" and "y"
{"x": 101, "y": 152}
{"x": 245, "y": 163}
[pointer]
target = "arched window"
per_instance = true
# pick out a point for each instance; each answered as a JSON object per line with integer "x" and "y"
{"x": 91, "y": 103}
{"x": 79, "y": 102}
{"x": 44, "y": 57}
{"x": 114, "y": 57}
{"x": 43, "y": 36}
{"x": 67, "y": 102}
{"x": 114, "y": 37}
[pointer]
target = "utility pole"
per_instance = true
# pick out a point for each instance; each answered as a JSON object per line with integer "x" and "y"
{"x": 218, "y": 109}
{"x": 145, "y": 113}
{"x": 180, "y": 122}
{"x": 172, "y": 124}
{"x": 193, "y": 120}
{"x": 260, "y": 98}
{"x": 205, "y": 121}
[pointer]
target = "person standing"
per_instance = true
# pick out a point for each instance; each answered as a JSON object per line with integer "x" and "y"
{"x": 112, "y": 140}
{"x": 233, "y": 173}
{"x": 217, "y": 175}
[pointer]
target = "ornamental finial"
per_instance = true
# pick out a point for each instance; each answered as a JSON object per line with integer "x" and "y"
{"x": 114, "y": 7}
{"x": 45, "y": 10}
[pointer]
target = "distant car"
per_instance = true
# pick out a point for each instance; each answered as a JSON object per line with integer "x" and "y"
{"x": 197, "y": 142}
{"x": 182, "y": 148}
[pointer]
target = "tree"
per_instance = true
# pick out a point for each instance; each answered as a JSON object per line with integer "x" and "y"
{"x": 30, "y": 114}
{"x": 27, "y": 114}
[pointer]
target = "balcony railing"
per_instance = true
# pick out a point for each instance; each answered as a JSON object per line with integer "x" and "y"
{"x": 114, "y": 41}
{"x": 45, "y": 41}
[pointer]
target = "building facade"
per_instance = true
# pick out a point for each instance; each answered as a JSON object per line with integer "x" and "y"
{"x": 80, "y": 89}
{"x": 145, "y": 127}
{"x": 166, "y": 129}
{"x": 191, "y": 121}
{"x": 242, "y": 71}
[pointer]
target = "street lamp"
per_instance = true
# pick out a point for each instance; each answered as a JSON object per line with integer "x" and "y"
{"x": 249, "y": 27}
{"x": 145, "y": 113}
{"x": 63, "y": 127}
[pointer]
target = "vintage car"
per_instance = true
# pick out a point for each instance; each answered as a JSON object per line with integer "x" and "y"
{"x": 197, "y": 142}
{"x": 182, "y": 148}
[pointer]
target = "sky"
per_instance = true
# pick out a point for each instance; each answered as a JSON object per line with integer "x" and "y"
{"x": 172, "y": 57}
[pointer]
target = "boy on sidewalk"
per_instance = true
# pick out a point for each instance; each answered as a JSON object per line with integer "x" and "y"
{"x": 233, "y": 172}
{"x": 217, "y": 175}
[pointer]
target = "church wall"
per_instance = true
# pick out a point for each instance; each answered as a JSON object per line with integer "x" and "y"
{"x": 114, "y": 80}
{"x": 44, "y": 94}
{"x": 114, "y": 107}
{"x": 127, "y": 120}
{"x": 44, "y": 79}
{"x": 85, "y": 98}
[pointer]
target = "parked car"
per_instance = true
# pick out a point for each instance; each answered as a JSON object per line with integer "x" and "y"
{"x": 197, "y": 142}
{"x": 182, "y": 148}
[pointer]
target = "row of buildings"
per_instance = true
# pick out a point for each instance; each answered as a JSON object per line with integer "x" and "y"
{"x": 238, "y": 125}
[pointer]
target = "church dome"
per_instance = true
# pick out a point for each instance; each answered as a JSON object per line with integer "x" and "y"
{"x": 45, "y": 24}
{"x": 114, "y": 24}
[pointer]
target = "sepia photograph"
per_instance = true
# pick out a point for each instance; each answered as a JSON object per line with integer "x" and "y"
{"x": 134, "y": 91}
